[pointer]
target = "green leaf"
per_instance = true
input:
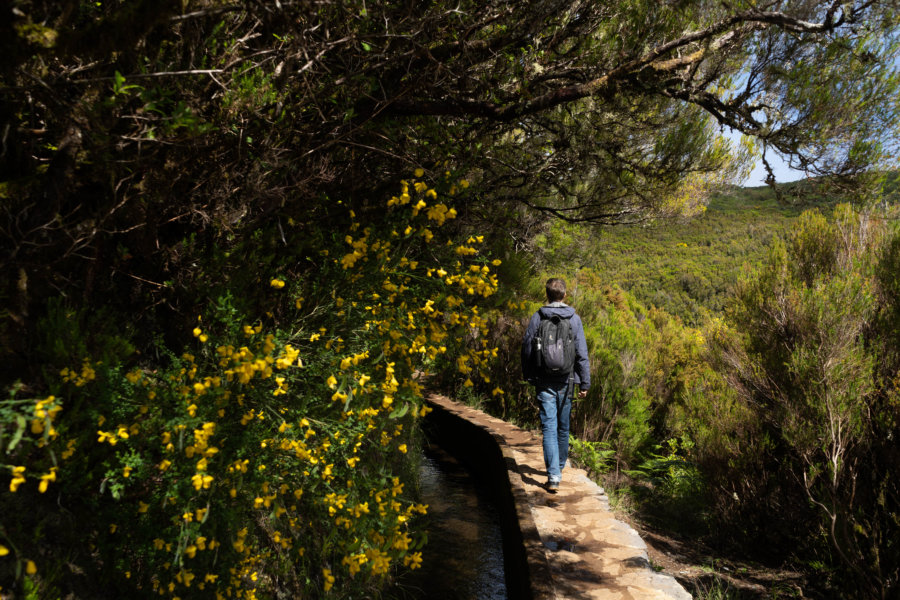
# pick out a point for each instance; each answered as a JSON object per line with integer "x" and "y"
{"x": 20, "y": 430}
{"x": 421, "y": 543}
{"x": 398, "y": 413}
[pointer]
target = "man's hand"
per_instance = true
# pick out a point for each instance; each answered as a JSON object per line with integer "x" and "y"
{"x": 582, "y": 393}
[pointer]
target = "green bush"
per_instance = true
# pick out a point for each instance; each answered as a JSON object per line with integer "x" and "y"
{"x": 808, "y": 349}
{"x": 271, "y": 458}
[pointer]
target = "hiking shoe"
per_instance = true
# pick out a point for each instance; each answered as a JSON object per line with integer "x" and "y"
{"x": 552, "y": 486}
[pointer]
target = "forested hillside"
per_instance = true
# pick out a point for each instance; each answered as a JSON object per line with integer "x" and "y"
{"x": 783, "y": 395}
{"x": 687, "y": 267}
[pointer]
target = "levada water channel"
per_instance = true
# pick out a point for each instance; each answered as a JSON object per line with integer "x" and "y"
{"x": 463, "y": 559}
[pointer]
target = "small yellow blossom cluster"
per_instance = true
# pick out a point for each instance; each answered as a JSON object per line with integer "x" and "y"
{"x": 440, "y": 213}
{"x": 18, "y": 478}
{"x": 82, "y": 377}
{"x": 41, "y": 423}
{"x": 379, "y": 548}
{"x": 45, "y": 411}
{"x": 244, "y": 364}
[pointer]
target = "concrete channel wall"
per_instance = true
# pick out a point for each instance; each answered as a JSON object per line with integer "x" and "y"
{"x": 485, "y": 454}
{"x": 556, "y": 546}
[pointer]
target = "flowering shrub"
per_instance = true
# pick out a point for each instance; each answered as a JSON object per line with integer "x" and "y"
{"x": 264, "y": 460}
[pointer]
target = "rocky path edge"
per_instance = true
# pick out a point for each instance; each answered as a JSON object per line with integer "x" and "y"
{"x": 575, "y": 546}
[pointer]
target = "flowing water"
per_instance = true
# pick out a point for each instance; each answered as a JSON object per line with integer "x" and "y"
{"x": 463, "y": 559}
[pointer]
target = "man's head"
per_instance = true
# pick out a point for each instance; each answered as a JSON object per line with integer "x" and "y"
{"x": 556, "y": 289}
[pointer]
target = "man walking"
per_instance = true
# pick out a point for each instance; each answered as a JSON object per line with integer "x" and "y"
{"x": 554, "y": 360}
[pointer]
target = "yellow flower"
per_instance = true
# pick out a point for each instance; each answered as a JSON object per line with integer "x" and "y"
{"x": 277, "y": 284}
{"x": 30, "y": 567}
{"x": 402, "y": 448}
{"x": 413, "y": 561}
{"x": 402, "y": 542}
{"x": 3, "y": 550}
{"x": 18, "y": 478}
{"x": 329, "y": 579}
{"x": 46, "y": 479}
{"x": 104, "y": 436}
{"x": 419, "y": 172}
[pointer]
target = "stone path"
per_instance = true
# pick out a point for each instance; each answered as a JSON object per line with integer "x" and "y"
{"x": 590, "y": 554}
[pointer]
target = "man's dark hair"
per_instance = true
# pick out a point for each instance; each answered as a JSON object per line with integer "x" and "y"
{"x": 556, "y": 289}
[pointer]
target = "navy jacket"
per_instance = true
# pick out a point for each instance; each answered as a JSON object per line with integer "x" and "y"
{"x": 582, "y": 365}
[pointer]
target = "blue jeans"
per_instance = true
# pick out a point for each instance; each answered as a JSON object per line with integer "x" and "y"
{"x": 556, "y": 407}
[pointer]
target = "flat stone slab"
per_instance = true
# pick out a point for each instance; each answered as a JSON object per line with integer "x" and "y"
{"x": 591, "y": 554}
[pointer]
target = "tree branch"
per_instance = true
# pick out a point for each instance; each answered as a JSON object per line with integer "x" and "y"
{"x": 605, "y": 84}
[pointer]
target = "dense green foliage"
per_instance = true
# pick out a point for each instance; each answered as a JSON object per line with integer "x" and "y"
{"x": 810, "y": 349}
{"x": 775, "y": 418}
{"x": 269, "y": 459}
{"x": 688, "y": 268}
{"x": 164, "y": 161}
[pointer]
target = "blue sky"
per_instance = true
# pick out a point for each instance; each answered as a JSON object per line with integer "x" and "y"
{"x": 783, "y": 173}
{"x": 757, "y": 176}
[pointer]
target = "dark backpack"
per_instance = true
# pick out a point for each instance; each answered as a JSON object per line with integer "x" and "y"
{"x": 554, "y": 346}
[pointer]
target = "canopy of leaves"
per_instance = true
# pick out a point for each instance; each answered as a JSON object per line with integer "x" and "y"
{"x": 140, "y": 136}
